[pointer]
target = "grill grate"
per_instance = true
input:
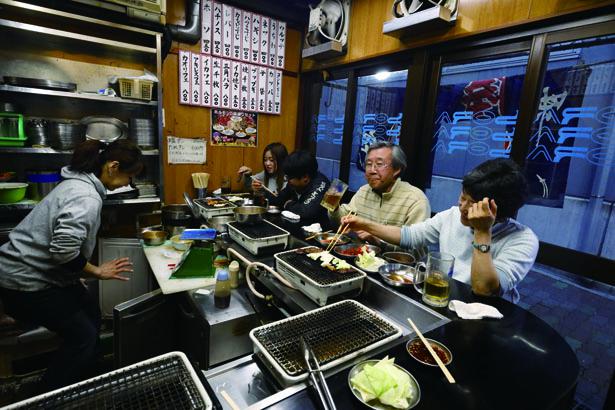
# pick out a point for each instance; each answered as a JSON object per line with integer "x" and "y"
{"x": 332, "y": 332}
{"x": 164, "y": 384}
{"x": 312, "y": 269}
{"x": 258, "y": 231}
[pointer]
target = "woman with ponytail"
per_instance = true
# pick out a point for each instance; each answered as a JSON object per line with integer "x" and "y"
{"x": 47, "y": 255}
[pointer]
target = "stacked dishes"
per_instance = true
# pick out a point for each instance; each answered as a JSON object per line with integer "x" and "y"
{"x": 36, "y": 130}
{"x": 146, "y": 189}
{"x": 105, "y": 129}
{"x": 143, "y": 133}
{"x": 65, "y": 135}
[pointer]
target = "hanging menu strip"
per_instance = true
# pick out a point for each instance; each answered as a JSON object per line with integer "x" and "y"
{"x": 227, "y": 30}
{"x": 281, "y": 44}
{"x": 216, "y": 48}
{"x": 253, "y": 98}
{"x": 206, "y": 27}
{"x": 237, "y": 20}
{"x": 206, "y": 80}
{"x": 235, "y": 84}
{"x": 226, "y": 84}
{"x": 256, "y": 38}
{"x": 246, "y": 36}
{"x": 270, "y": 90}
{"x": 277, "y": 100}
{"x": 273, "y": 42}
{"x": 262, "y": 89}
{"x": 264, "y": 44}
{"x": 195, "y": 79}
{"x": 184, "y": 77}
{"x": 216, "y": 71}
{"x": 245, "y": 84}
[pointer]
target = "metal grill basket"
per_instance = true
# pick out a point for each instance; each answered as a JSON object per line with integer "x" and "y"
{"x": 163, "y": 382}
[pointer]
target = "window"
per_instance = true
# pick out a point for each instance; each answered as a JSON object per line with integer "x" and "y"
{"x": 477, "y": 106}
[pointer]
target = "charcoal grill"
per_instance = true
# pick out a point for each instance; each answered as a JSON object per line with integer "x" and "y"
{"x": 260, "y": 238}
{"x": 336, "y": 333}
{"x": 207, "y": 211}
{"x": 163, "y": 382}
{"x": 315, "y": 281}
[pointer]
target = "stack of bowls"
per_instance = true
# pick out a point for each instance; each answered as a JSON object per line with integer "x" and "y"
{"x": 65, "y": 135}
{"x": 36, "y": 130}
{"x": 143, "y": 133}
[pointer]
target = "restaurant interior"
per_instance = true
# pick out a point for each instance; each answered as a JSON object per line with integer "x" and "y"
{"x": 250, "y": 284}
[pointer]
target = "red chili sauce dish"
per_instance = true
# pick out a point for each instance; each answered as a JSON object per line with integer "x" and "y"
{"x": 417, "y": 349}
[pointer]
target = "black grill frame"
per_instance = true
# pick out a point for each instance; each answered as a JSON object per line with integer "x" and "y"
{"x": 298, "y": 260}
{"x": 262, "y": 230}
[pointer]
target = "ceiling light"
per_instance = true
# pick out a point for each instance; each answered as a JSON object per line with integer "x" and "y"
{"x": 382, "y": 75}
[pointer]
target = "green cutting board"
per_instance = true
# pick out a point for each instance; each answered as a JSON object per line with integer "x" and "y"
{"x": 196, "y": 263}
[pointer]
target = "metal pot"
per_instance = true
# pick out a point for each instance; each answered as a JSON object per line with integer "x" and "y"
{"x": 249, "y": 214}
{"x": 175, "y": 213}
{"x": 41, "y": 183}
{"x": 219, "y": 222}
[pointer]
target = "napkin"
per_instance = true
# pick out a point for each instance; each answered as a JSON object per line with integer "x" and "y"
{"x": 314, "y": 228}
{"x": 474, "y": 310}
{"x": 290, "y": 215}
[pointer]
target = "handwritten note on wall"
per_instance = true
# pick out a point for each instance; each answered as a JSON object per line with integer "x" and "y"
{"x": 186, "y": 150}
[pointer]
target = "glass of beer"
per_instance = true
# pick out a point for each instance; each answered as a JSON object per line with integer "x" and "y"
{"x": 438, "y": 277}
{"x": 334, "y": 194}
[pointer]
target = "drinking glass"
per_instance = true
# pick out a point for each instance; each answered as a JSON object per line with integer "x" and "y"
{"x": 334, "y": 194}
{"x": 438, "y": 276}
{"x": 225, "y": 185}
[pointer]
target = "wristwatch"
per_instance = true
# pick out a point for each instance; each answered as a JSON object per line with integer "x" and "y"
{"x": 481, "y": 247}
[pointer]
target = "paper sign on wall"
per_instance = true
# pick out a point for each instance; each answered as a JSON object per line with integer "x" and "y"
{"x": 273, "y": 42}
{"x": 277, "y": 98}
{"x": 216, "y": 71}
{"x": 264, "y": 45}
{"x": 227, "y": 31}
{"x": 184, "y": 77}
{"x": 195, "y": 79}
{"x": 226, "y": 84}
{"x": 281, "y": 44}
{"x": 186, "y": 150}
{"x": 216, "y": 22}
{"x": 237, "y": 20}
{"x": 253, "y": 98}
{"x": 206, "y": 27}
{"x": 256, "y": 38}
{"x": 206, "y": 81}
{"x": 245, "y": 84}
{"x": 270, "y": 91}
{"x": 235, "y": 84}
{"x": 246, "y": 36}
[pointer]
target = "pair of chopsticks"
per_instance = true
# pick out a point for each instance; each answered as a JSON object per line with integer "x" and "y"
{"x": 341, "y": 230}
{"x": 448, "y": 374}
{"x": 264, "y": 187}
{"x": 316, "y": 234}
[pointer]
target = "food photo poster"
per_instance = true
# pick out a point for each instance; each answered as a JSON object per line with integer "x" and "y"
{"x": 234, "y": 128}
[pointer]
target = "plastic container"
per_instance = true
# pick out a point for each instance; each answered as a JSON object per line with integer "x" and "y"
{"x": 234, "y": 274}
{"x": 11, "y": 192}
{"x": 222, "y": 291}
{"x": 12, "y": 132}
{"x": 41, "y": 183}
{"x": 135, "y": 88}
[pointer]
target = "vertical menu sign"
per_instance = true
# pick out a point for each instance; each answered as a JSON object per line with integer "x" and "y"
{"x": 277, "y": 99}
{"x": 206, "y": 80}
{"x": 246, "y": 36}
{"x": 264, "y": 44}
{"x": 226, "y": 83}
{"x": 245, "y": 84}
{"x": 184, "y": 77}
{"x": 216, "y": 48}
{"x": 227, "y": 30}
{"x": 237, "y": 20}
{"x": 253, "y": 98}
{"x": 262, "y": 89}
{"x": 235, "y": 84}
{"x": 256, "y": 38}
{"x": 270, "y": 90}
{"x": 216, "y": 71}
{"x": 273, "y": 42}
{"x": 195, "y": 79}
{"x": 206, "y": 27}
{"x": 281, "y": 44}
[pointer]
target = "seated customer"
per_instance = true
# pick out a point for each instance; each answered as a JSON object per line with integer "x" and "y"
{"x": 304, "y": 190}
{"x": 386, "y": 199}
{"x": 272, "y": 175}
{"x": 493, "y": 252}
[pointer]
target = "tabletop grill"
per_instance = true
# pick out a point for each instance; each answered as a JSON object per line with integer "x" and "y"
{"x": 315, "y": 281}
{"x": 207, "y": 211}
{"x": 163, "y": 382}
{"x": 336, "y": 333}
{"x": 259, "y": 238}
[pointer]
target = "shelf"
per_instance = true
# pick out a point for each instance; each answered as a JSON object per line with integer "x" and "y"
{"x": 93, "y": 97}
{"x": 30, "y": 204}
{"x": 31, "y": 150}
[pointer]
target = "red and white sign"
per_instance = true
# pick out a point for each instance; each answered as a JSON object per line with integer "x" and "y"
{"x": 226, "y": 84}
{"x": 237, "y": 22}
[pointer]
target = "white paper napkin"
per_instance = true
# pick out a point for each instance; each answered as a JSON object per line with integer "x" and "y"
{"x": 290, "y": 215}
{"x": 474, "y": 310}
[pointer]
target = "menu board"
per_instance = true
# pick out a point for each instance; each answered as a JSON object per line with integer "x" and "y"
{"x": 256, "y": 38}
{"x": 253, "y": 99}
{"x": 273, "y": 42}
{"x": 216, "y": 48}
{"x": 233, "y": 128}
{"x": 262, "y": 89}
{"x": 235, "y": 84}
{"x": 184, "y": 77}
{"x": 207, "y": 13}
{"x": 227, "y": 30}
{"x": 226, "y": 84}
{"x": 237, "y": 20}
{"x": 246, "y": 36}
{"x": 216, "y": 75}
{"x": 244, "y": 87}
{"x": 264, "y": 44}
{"x": 195, "y": 80}
{"x": 206, "y": 81}
{"x": 186, "y": 150}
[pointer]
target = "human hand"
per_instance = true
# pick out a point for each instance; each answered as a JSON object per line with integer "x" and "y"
{"x": 482, "y": 214}
{"x": 244, "y": 170}
{"x": 257, "y": 185}
{"x": 356, "y": 224}
{"x": 113, "y": 269}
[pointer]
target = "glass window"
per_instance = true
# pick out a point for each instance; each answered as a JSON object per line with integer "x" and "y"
{"x": 378, "y": 115}
{"x": 476, "y": 113}
{"x": 327, "y": 125}
{"x": 571, "y": 158}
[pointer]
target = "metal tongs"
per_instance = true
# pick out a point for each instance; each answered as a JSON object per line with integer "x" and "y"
{"x": 314, "y": 368}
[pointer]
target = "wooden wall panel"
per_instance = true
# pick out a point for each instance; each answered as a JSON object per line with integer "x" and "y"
{"x": 194, "y": 122}
{"x": 474, "y": 16}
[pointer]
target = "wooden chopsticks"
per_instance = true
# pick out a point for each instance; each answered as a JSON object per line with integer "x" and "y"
{"x": 341, "y": 230}
{"x": 264, "y": 187}
{"x": 448, "y": 375}
{"x": 316, "y": 234}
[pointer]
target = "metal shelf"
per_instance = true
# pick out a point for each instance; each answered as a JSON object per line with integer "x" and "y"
{"x": 30, "y": 204}
{"x": 94, "y": 97}
{"x": 31, "y": 150}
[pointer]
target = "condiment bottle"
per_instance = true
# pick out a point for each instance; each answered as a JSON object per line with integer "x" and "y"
{"x": 234, "y": 274}
{"x": 222, "y": 291}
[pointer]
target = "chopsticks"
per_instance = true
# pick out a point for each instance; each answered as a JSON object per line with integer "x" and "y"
{"x": 264, "y": 187}
{"x": 448, "y": 375}
{"x": 316, "y": 234}
{"x": 341, "y": 230}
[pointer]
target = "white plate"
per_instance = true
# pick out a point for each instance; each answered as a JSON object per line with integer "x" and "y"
{"x": 235, "y": 118}
{"x": 240, "y": 134}
{"x": 373, "y": 268}
{"x": 228, "y": 132}
{"x": 250, "y": 130}
{"x": 218, "y": 127}
{"x": 375, "y": 404}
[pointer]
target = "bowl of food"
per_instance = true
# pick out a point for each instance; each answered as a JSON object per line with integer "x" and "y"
{"x": 352, "y": 250}
{"x": 368, "y": 261}
{"x": 154, "y": 236}
{"x": 397, "y": 274}
{"x": 383, "y": 385}
{"x": 324, "y": 239}
{"x": 399, "y": 257}
{"x": 181, "y": 244}
{"x": 419, "y": 352}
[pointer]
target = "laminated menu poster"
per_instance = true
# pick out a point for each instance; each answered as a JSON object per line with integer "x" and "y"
{"x": 186, "y": 150}
{"x": 234, "y": 128}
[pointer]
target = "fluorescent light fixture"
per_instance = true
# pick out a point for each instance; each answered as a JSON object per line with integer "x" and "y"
{"x": 382, "y": 75}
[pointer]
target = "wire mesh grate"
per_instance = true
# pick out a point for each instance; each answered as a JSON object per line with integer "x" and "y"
{"x": 313, "y": 269}
{"x": 332, "y": 332}
{"x": 260, "y": 230}
{"x": 164, "y": 384}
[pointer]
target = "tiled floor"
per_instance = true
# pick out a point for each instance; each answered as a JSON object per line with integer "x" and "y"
{"x": 584, "y": 313}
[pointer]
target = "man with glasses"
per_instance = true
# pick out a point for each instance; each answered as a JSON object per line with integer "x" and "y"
{"x": 386, "y": 199}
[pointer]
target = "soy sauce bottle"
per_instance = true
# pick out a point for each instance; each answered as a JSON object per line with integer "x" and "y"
{"x": 222, "y": 291}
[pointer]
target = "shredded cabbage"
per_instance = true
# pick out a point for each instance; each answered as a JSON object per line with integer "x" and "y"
{"x": 368, "y": 260}
{"x": 385, "y": 382}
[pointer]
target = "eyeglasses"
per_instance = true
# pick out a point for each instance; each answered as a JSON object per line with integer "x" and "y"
{"x": 376, "y": 165}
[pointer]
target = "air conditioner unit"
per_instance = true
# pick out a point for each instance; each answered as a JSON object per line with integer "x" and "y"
{"x": 149, "y": 10}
